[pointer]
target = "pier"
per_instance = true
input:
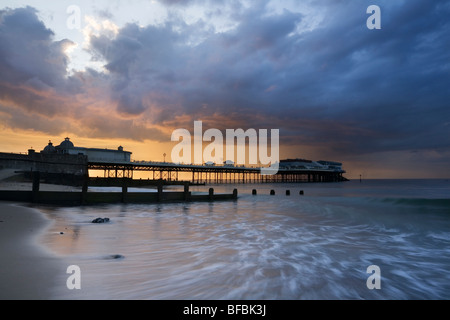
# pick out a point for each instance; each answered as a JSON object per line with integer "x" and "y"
{"x": 215, "y": 174}
{"x": 66, "y": 164}
{"x": 68, "y": 167}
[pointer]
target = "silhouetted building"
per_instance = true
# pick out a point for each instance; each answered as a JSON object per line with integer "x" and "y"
{"x": 93, "y": 154}
{"x": 304, "y": 164}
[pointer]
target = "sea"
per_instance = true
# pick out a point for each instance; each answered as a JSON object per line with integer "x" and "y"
{"x": 354, "y": 240}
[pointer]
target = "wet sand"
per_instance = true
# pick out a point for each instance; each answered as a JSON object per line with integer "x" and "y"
{"x": 27, "y": 269}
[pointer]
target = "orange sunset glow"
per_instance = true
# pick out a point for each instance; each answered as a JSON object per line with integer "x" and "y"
{"x": 105, "y": 80}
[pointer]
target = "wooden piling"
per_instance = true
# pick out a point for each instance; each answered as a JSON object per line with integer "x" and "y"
{"x": 288, "y": 192}
{"x": 272, "y": 192}
{"x": 124, "y": 191}
{"x": 36, "y": 176}
{"x": 160, "y": 190}
{"x": 84, "y": 189}
{"x": 186, "y": 191}
{"x": 254, "y": 192}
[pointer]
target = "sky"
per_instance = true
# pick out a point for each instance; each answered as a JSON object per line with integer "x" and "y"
{"x": 110, "y": 73}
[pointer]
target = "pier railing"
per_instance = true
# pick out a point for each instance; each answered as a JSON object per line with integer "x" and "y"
{"x": 214, "y": 173}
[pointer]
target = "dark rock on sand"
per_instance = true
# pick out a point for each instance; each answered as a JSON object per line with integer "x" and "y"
{"x": 100, "y": 220}
{"x": 115, "y": 256}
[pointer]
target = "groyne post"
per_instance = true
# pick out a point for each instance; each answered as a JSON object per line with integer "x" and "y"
{"x": 211, "y": 193}
{"x": 36, "y": 176}
{"x": 84, "y": 189}
{"x": 160, "y": 190}
{"x": 124, "y": 190}
{"x": 186, "y": 191}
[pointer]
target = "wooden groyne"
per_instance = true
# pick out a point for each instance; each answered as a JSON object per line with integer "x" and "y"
{"x": 77, "y": 198}
{"x": 84, "y": 197}
{"x": 138, "y": 183}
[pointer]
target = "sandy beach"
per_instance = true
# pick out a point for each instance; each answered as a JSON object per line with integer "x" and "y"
{"x": 27, "y": 270}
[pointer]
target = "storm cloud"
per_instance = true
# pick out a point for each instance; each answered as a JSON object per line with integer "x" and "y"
{"x": 332, "y": 83}
{"x": 340, "y": 83}
{"x": 37, "y": 92}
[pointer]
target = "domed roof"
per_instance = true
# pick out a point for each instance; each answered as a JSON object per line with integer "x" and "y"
{"x": 49, "y": 148}
{"x": 66, "y": 144}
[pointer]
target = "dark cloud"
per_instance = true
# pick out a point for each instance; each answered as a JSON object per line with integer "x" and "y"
{"x": 36, "y": 91}
{"x": 339, "y": 85}
{"x": 32, "y": 65}
{"x": 21, "y": 34}
{"x": 223, "y": 72}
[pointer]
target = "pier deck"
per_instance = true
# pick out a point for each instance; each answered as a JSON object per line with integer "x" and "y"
{"x": 214, "y": 174}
